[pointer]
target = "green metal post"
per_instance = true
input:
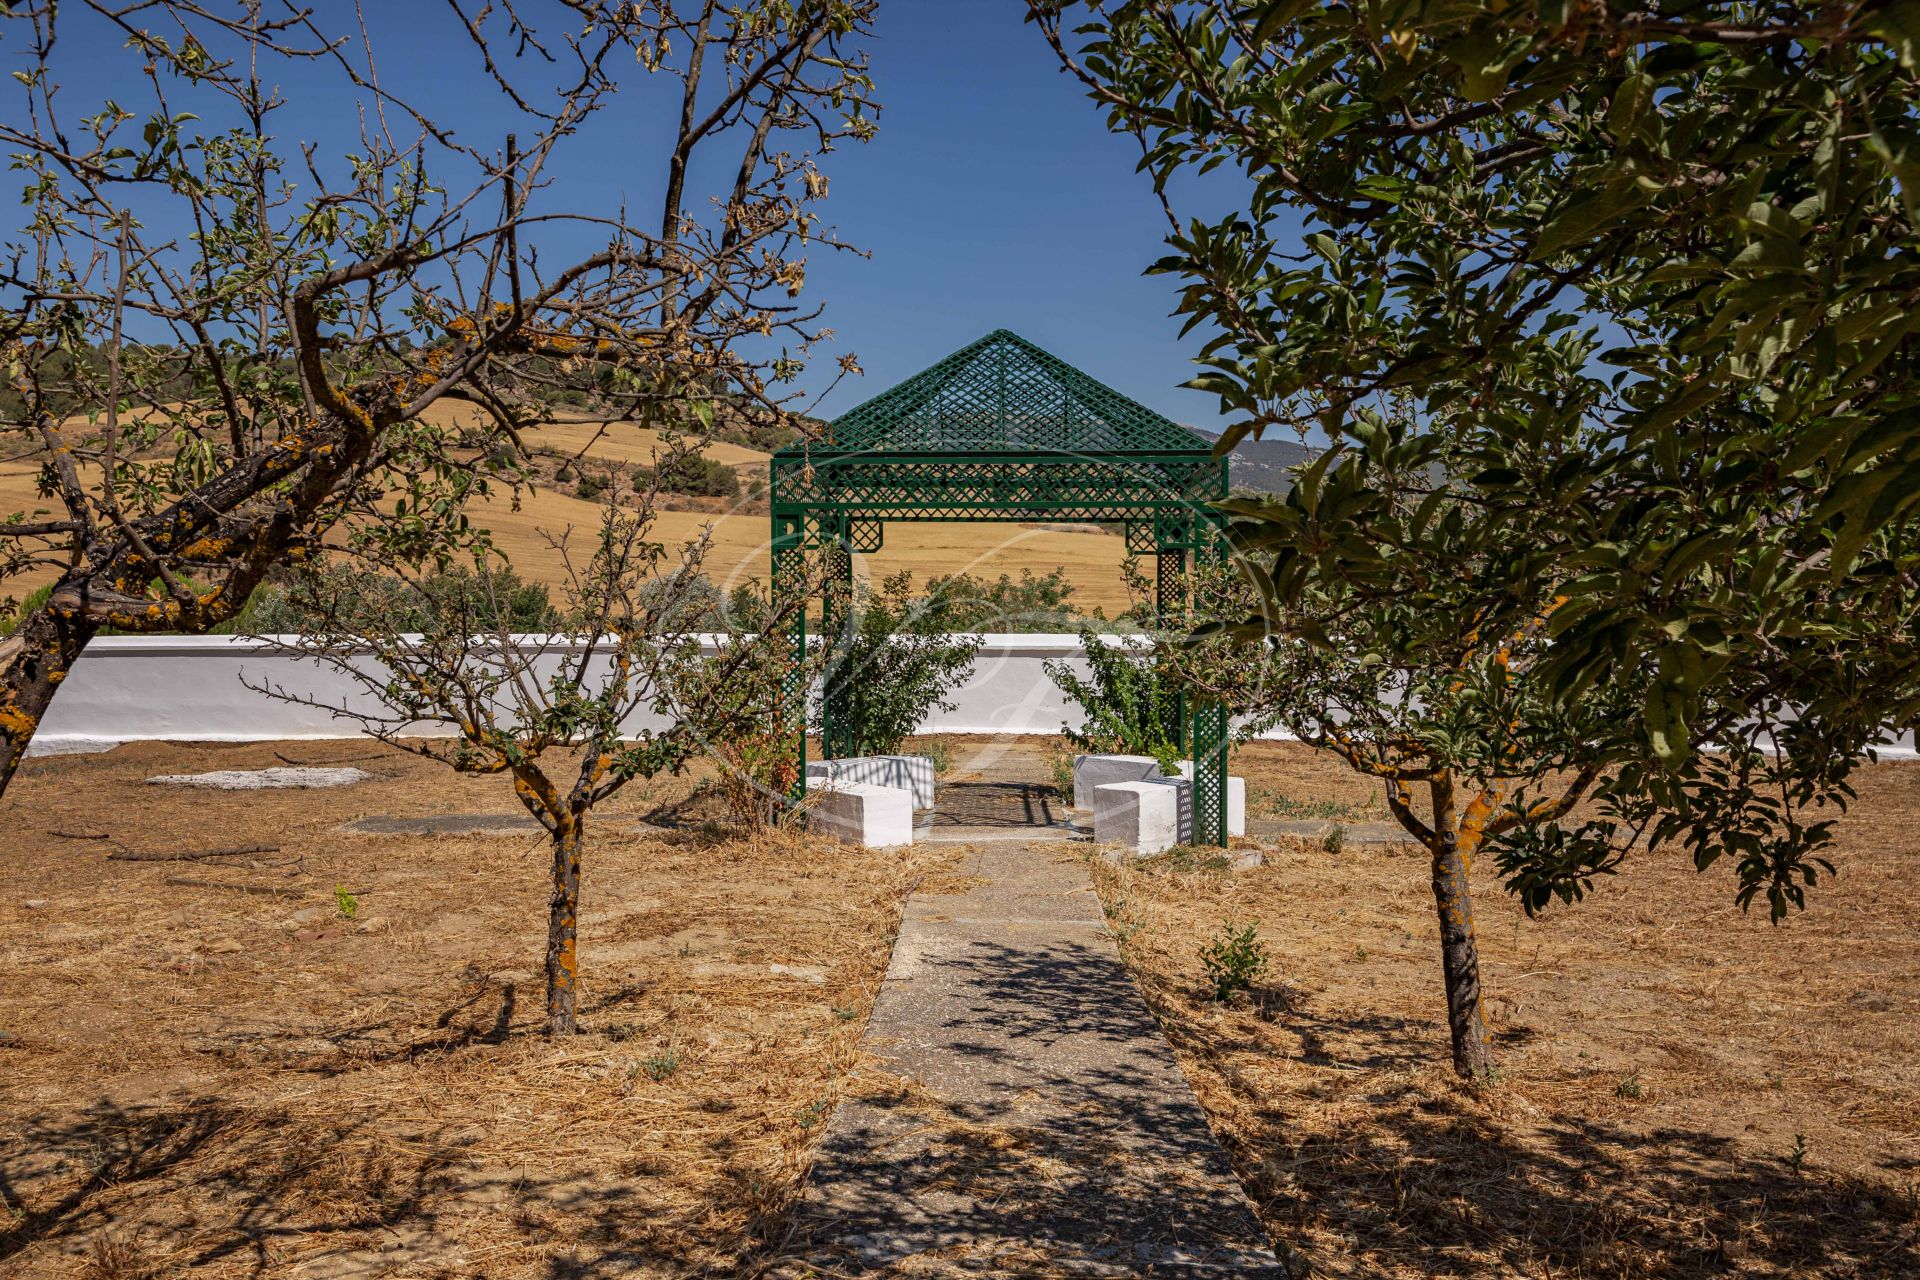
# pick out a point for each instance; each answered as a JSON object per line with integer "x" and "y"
{"x": 789, "y": 573}
{"x": 836, "y": 627}
{"x": 1170, "y": 610}
{"x": 1210, "y": 731}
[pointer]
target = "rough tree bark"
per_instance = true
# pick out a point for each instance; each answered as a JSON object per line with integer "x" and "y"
{"x": 563, "y": 925}
{"x": 33, "y": 662}
{"x": 1452, "y": 844}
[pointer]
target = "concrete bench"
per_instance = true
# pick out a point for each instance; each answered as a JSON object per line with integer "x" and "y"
{"x": 1090, "y": 771}
{"x": 1141, "y": 817}
{"x": 913, "y": 773}
{"x": 1236, "y": 799}
{"x": 862, "y": 813}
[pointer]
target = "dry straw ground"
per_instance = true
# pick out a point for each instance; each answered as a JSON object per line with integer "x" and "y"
{"x": 205, "y": 1069}
{"x": 200, "y": 1079}
{"x": 1684, "y": 1090}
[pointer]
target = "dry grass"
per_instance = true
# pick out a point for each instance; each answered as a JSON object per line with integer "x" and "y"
{"x": 524, "y": 530}
{"x": 200, "y": 1080}
{"x": 1684, "y": 1090}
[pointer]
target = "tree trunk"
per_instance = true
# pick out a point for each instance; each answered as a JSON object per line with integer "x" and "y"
{"x": 1460, "y": 953}
{"x": 563, "y": 918}
{"x": 33, "y": 662}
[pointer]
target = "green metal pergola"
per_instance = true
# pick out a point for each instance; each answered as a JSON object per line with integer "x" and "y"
{"x": 1001, "y": 430}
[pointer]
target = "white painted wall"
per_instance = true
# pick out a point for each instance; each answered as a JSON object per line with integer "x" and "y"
{"x": 190, "y": 688}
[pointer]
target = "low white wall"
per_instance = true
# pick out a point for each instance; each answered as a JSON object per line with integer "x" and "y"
{"x": 191, "y": 689}
{"x": 194, "y": 688}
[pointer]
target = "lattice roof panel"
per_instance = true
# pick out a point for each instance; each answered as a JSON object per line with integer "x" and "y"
{"x": 1004, "y": 393}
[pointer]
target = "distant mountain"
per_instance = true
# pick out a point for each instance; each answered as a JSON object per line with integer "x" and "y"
{"x": 1261, "y": 465}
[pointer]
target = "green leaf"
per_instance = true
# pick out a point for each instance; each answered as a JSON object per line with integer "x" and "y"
{"x": 1898, "y": 24}
{"x": 1586, "y": 215}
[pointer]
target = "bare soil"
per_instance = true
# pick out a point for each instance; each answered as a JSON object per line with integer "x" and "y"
{"x": 1684, "y": 1089}
{"x": 207, "y": 1069}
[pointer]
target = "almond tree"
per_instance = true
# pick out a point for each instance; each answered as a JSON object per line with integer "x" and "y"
{"x": 221, "y": 345}
{"x": 570, "y": 719}
{"x": 1608, "y": 312}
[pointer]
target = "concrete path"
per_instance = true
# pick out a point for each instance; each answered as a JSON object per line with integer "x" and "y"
{"x": 1027, "y": 1118}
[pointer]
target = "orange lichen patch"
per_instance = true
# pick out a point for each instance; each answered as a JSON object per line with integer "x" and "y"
{"x": 16, "y": 722}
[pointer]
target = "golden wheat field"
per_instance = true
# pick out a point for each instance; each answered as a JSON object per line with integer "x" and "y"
{"x": 528, "y": 527}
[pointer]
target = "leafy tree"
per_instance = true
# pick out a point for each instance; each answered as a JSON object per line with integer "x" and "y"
{"x": 1031, "y": 602}
{"x": 570, "y": 719}
{"x": 889, "y": 667}
{"x": 221, "y": 345}
{"x": 1474, "y": 753}
{"x": 1129, "y": 702}
{"x": 1608, "y": 314}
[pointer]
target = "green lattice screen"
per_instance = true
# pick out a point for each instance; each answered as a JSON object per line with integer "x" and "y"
{"x": 1001, "y": 393}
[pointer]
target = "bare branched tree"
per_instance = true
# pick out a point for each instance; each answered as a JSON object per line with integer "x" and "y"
{"x": 438, "y": 669}
{"x": 221, "y": 344}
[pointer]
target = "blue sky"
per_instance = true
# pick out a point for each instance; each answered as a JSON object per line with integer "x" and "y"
{"x": 993, "y": 195}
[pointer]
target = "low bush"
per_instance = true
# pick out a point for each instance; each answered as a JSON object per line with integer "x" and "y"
{"x": 693, "y": 475}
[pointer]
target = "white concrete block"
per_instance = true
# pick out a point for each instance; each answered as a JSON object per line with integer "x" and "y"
{"x": 915, "y": 773}
{"x": 1092, "y": 771}
{"x": 1140, "y": 817}
{"x": 1236, "y": 800}
{"x": 862, "y": 813}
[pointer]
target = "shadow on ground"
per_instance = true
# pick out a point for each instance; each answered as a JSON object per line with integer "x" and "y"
{"x": 1423, "y": 1176}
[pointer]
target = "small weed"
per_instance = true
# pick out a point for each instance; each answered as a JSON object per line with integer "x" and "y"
{"x": 113, "y": 1259}
{"x": 1061, "y": 762}
{"x": 1196, "y": 857}
{"x": 661, "y": 1065}
{"x": 845, "y": 1014}
{"x": 1335, "y": 840}
{"x": 808, "y": 1116}
{"x": 347, "y": 903}
{"x": 1359, "y": 953}
{"x": 1797, "y": 1157}
{"x": 1628, "y": 1088}
{"x": 1280, "y": 805}
{"x": 1234, "y": 960}
{"x": 1114, "y": 909}
{"x": 940, "y": 751}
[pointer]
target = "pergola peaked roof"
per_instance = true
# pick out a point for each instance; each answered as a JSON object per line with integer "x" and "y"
{"x": 1003, "y": 394}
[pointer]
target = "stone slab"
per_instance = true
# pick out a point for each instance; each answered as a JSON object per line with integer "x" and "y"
{"x": 1023, "y": 1114}
{"x": 276, "y": 778}
{"x": 1090, "y": 771}
{"x": 915, "y": 773}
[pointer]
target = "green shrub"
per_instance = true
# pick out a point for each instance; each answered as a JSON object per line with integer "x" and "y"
{"x": 890, "y": 670}
{"x": 1234, "y": 960}
{"x": 1131, "y": 705}
{"x": 590, "y": 487}
{"x": 693, "y": 475}
{"x": 492, "y": 596}
{"x": 1031, "y": 602}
